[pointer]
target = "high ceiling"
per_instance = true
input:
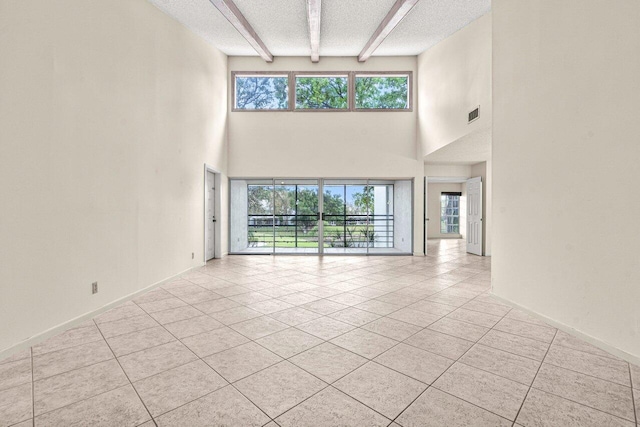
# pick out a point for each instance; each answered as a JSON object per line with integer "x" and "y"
{"x": 472, "y": 148}
{"x": 346, "y": 25}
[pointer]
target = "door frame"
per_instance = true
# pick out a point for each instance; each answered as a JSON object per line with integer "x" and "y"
{"x": 478, "y": 180}
{"x": 216, "y": 211}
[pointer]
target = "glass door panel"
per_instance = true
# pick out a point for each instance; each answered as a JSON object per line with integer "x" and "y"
{"x": 260, "y": 220}
{"x": 346, "y": 208}
{"x": 381, "y": 237}
{"x": 296, "y": 216}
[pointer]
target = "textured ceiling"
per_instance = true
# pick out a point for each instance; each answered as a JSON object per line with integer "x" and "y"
{"x": 346, "y": 25}
{"x": 430, "y": 22}
{"x": 468, "y": 150}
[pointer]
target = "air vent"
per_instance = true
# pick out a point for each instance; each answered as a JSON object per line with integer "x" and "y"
{"x": 474, "y": 114}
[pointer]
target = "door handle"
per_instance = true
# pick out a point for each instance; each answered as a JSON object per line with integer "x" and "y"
{"x": 213, "y": 219}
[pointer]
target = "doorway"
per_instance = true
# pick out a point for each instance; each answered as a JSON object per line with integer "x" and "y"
{"x": 474, "y": 216}
{"x": 211, "y": 228}
{"x": 321, "y": 216}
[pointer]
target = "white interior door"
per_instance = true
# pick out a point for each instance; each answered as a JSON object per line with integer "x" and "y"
{"x": 474, "y": 216}
{"x": 210, "y": 217}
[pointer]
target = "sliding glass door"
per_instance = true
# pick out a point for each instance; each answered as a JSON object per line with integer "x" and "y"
{"x": 302, "y": 216}
{"x": 346, "y": 216}
{"x": 358, "y": 216}
{"x": 274, "y": 216}
{"x": 296, "y": 216}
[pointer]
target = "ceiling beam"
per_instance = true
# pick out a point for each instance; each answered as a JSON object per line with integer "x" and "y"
{"x": 398, "y": 11}
{"x": 314, "y": 8}
{"x": 230, "y": 11}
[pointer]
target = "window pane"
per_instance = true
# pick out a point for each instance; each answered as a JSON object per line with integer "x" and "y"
{"x": 262, "y": 93}
{"x": 382, "y": 92}
{"x": 321, "y": 93}
{"x": 260, "y": 198}
{"x": 449, "y": 214}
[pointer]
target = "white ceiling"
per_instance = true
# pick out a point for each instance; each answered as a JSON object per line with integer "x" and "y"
{"x": 470, "y": 149}
{"x": 346, "y": 25}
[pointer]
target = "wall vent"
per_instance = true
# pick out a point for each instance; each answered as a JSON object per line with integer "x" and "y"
{"x": 474, "y": 114}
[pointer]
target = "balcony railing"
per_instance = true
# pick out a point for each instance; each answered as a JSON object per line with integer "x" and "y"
{"x": 301, "y": 231}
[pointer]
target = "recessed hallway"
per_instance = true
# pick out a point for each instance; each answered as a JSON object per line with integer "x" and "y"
{"x": 308, "y": 341}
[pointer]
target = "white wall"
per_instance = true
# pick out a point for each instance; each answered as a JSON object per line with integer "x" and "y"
{"x": 109, "y": 111}
{"x": 454, "y": 77}
{"x": 447, "y": 171}
{"x": 327, "y": 144}
{"x": 565, "y": 164}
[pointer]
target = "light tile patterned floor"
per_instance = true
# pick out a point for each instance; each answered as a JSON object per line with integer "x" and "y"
{"x": 303, "y": 341}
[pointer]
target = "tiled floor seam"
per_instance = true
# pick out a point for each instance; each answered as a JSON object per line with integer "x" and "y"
{"x": 125, "y": 333}
{"x": 74, "y": 369}
{"x": 584, "y": 404}
{"x": 126, "y": 375}
{"x": 65, "y": 348}
{"x": 516, "y": 335}
{"x": 456, "y": 361}
{"x": 534, "y": 379}
{"x": 82, "y": 400}
{"x": 587, "y": 352}
{"x": 33, "y": 392}
{"x": 436, "y": 379}
{"x": 589, "y": 375}
{"x": 189, "y": 304}
{"x": 636, "y": 409}
{"x": 200, "y": 397}
{"x": 340, "y": 391}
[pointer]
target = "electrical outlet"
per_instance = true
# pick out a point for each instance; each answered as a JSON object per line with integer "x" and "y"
{"x": 193, "y": 255}
{"x": 94, "y": 288}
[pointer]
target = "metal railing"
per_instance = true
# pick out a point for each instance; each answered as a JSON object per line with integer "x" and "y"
{"x": 301, "y": 231}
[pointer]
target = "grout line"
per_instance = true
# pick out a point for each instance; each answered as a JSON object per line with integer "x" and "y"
{"x": 445, "y": 371}
{"x": 636, "y": 408}
{"x": 379, "y": 267}
{"x": 534, "y": 379}
{"x": 203, "y": 361}
{"x": 33, "y": 391}
{"x": 126, "y": 375}
{"x": 588, "y": 375}
{"x": 82, "y": 400}
{"x": 585, "y": 405}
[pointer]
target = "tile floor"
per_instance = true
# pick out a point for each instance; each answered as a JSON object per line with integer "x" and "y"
{"x": 303, "y": 341}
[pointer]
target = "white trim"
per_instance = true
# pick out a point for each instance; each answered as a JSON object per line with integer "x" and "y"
{"x": 38, "y": 338}
{"x": 447, "y": 180}
{"x": 217, "y": 177}
{"x": 581, "y": 335}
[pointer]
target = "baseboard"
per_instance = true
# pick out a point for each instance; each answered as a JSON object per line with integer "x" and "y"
{"x": 588, "y": 338}
{"x": 36, "y": 339}
{"x": 418, "y": 254}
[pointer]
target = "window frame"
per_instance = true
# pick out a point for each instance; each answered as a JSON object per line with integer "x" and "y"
{"x": 351, "y": 90}
{"x": 408, "y": 74}
{"x": 235, "y": 74}
{"x": 322, "y": 74}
